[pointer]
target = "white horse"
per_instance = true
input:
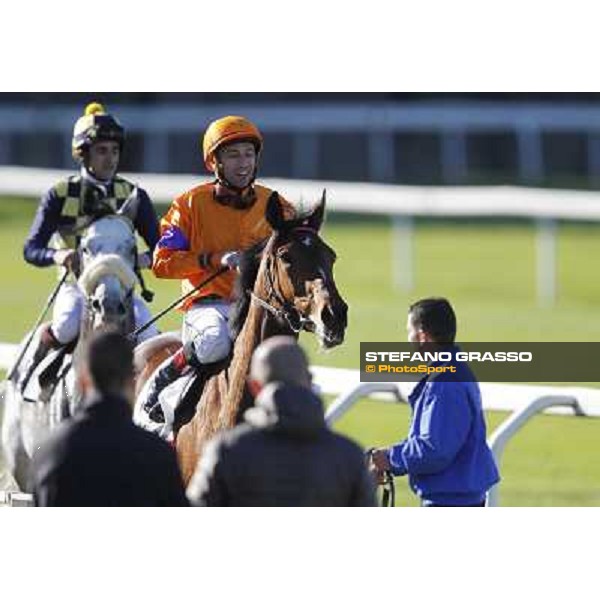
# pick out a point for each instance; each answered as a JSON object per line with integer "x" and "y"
{"x": 108, "y": 253}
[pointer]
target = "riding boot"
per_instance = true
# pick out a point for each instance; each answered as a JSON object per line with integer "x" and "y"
{"x": 166, "y": 375}
{"x": 46, "y": 342}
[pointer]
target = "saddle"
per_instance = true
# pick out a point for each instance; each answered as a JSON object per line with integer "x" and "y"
{"x": 179, "y": 400}
{"x": 41, "y": 383}
{"x": 186, "y": 408}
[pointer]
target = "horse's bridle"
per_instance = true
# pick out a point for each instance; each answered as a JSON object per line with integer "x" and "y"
{"x": 287, "y": 311}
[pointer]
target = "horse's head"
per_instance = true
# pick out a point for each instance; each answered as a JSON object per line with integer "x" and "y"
{"x": 299, "y": 275}
{"x": 109, "y": 235}
{"x": 107, "y": 283}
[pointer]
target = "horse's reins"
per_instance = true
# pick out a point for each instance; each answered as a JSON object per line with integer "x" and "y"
{"x": 171, "y": 306}
{"x": 388, "y": 496}
{"x": 49, "y": 302}
{"x": 287, "y": 311}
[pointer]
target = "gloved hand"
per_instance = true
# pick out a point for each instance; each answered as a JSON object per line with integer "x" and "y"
{"x": 231, "y": 259}
{"x": 144, "y": 260}
{"x": 227, "y": 258}
{"x": 67, "y": 258}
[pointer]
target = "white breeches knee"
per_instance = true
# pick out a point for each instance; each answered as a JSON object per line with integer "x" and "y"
{"x": 206, "y": 327}
{"x": 67, "y": 314}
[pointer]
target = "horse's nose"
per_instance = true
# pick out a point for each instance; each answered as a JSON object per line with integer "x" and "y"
{"x": 334, "y": 317}
{"x": 335, "y": 314}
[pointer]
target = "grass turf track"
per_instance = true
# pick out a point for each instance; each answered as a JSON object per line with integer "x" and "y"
{"x": 487, "y": 269}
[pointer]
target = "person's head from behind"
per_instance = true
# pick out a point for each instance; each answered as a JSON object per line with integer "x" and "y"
{"x": 105, "y": 365}
{"x": 279, "y": 360}
{"x": 431, "y": 321}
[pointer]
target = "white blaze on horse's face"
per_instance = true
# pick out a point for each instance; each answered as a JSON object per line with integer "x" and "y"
{"x": 108, "y": 283}
{"x": 316, "y": 296}
{"x": 109, "y": 303}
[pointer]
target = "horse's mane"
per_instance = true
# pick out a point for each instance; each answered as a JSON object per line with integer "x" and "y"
{"x": 249, "y": 264}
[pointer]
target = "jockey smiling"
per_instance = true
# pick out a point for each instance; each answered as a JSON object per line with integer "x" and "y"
{"x": 69, "y": 206}
{"x": 205, "y": 229}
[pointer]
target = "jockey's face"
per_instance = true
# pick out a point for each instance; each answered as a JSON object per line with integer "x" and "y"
{"x": 103, "y": 160}
{"x": 238, "y": 162}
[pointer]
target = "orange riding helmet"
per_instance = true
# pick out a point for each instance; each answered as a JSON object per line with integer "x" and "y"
{"x": 225, "y": 131}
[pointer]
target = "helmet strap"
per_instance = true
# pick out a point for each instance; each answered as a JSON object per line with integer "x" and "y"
{"x": 86, "y": 173}
{"x": 233, "y": 196}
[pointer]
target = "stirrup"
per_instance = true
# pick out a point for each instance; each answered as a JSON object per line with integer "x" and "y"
{"x": 165, "y": 377}
{"x": 42, "y": 350}
{"x": 155, "y": 412}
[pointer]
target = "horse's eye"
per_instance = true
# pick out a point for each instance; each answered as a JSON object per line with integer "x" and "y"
{"x": 285, "y": 259}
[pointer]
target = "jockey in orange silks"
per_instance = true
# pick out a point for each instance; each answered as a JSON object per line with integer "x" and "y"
{"x": 205, "y": 229}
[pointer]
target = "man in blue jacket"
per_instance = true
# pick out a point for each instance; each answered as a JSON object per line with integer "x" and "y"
{"x": 445, "y": 455}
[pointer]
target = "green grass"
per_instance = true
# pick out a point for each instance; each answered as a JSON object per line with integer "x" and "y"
{"x": 485, "y": 268}
{"x": 552, "y": 462}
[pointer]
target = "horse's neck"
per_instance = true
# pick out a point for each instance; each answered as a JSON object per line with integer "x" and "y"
{"x": 245, "y": 344}
{"x": 252, "y": 333}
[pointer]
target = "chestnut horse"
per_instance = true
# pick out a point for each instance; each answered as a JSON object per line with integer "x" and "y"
{"x": 285, "y": 285}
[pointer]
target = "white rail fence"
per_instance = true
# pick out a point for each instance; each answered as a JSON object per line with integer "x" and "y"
{"x": 401, "y": 203}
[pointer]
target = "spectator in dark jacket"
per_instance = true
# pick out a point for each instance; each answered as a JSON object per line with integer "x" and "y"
{"x": 284, "y": 454}
{"x": 99, "y": 457}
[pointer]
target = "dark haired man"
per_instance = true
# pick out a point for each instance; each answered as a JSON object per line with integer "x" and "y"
{"x": 99, "y": 457}
{"x": 445, "y": 455}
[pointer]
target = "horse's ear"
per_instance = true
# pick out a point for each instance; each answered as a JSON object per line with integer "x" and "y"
{"x": 316, "y": 218}
{"x": 274, "y": 212}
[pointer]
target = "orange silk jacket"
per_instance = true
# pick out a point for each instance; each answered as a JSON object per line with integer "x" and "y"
{"x": 197, "y": 223}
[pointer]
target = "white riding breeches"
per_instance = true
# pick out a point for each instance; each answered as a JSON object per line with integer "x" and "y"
{"x": 206, "y": 327}
{"x": 67, "y": 314}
